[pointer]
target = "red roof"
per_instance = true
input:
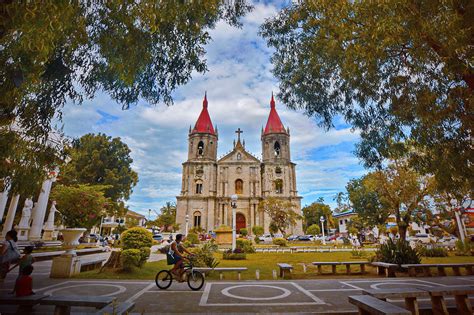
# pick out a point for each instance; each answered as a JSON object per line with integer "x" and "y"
{"x": 274, "y": 124}
{"x": 204, "y": 123}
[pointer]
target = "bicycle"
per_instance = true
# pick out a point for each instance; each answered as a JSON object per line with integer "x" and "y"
{"x": 195, "y": 279}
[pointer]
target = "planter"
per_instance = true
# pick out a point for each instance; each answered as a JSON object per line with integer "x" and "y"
{"x": 71, "y": 240}
{"x": 223, "y": 237}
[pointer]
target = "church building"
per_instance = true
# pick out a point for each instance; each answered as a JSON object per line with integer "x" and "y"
{"x": 208, "y": 183}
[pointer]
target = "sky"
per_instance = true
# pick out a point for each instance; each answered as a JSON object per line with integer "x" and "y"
{"x": 239, "y": 85}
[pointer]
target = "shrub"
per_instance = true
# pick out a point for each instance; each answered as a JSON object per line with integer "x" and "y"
{"x": 463, "y": 248}
{"x": 236, "y": 255}
{"x": 245, "y": 245}
{"x": 358, "y": 253}
{"x": 244, "y": 232}
{"x": 204, "y": 256}
{"x": 257, "y": 230}
{"x": 432, "y": 251}
{"x": 136, "y": 237}
{"x": 192, "y": 238}
{"x": 313, "y": 229}
{"x": 398, "y": 252}
{"x": 280, "y": 241}
{"x": 144, "y": 255}
{"x": 130, "y": 258}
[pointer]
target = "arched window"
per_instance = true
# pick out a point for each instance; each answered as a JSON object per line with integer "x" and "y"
{"x": 276, "y": 148}
{"x": 279, "y": 186}
{"x": 239, "y": 156}
{"x": 197, "y": 219}
{"x": 200, "y": 148}
{"x": 239, "y": 186}
{"x": 198, "y": 187}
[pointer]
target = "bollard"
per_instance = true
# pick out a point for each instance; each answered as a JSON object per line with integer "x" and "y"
{"x": 257, "y": 274}
{"x": 304, "y": 268}
{"x": 274, "y": 274}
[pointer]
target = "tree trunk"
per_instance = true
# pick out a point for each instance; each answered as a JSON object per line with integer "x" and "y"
{"x": 113, "y": 262}
{"x": 402, "y": 230}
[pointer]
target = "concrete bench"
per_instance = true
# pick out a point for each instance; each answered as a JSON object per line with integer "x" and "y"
{"x": 327, "y": 263}
{"x": 409, "y": 295}
{"x": 361, "y": 264}
{"x": 334, "y": 264}
{"x": 386, "y": 269}
{"x": 92, "y": 264}
{"x": 24, "y": 303}
{"x": 117, "y": 309}
{"x": 367, "y": 305}
{"x": 63, "y": 304}
{"x": 460, "y": 293}
{"x": 283, "y": 267}
{"x": 413, "y": 269}
{"x": 221, "y": 270}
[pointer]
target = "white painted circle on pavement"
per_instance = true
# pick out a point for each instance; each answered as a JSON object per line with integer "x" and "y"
{"x": 121, "y": 289}
{"x": 376, "y": 285}
{"x": 285, "y": 293}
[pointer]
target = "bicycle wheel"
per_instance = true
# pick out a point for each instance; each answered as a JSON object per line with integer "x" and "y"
{"x": 163, "y": 279}
{"x": 195, "y": 280}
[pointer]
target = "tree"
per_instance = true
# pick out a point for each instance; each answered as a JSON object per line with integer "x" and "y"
{"x": 313, "y": 229}
{"x": 101, "y": 160}
{"x": 401, "y": 72}
{"x": 315, "y": 211}
{"x": 167, "y": 217}
{"x": 257, "y": 230}
{"x": 280, "y": 212}
{"x": 81, "y": 205}
{"x": 57, "y": 51}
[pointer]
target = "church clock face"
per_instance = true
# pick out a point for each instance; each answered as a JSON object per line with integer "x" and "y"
{"x": 199, "y": 171}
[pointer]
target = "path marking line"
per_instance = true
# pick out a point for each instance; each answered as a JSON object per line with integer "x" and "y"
{"x": 52, "y": 286}
{"x": 351, "y": 285}
{"x": 141, "y": 292}
{"x": 334, "y": 290}
{"x": 285, "y": 293}
{"x": 121, "y": 289}
{"x": 307, "y": 293}
{"x": 205, "y": 294}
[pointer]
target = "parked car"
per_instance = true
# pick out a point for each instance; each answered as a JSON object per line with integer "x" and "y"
{"x": 292, "y": 238}
{"x": 95, "y": 238}
{"x": 266, "y": 238}
{"x": 158, "y": 237}
{"x": 423, "y": 238}
{"x": 306, "y": 238}
{"x": 448, "y": 241}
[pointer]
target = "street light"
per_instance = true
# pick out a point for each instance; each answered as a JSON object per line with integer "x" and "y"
{"x": 321, "y": 219}
{"x": 233, "y": 204}
{"x": 187, "y": 225}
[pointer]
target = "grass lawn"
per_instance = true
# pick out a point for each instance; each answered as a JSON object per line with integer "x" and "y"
{"x": 266, "y": 262}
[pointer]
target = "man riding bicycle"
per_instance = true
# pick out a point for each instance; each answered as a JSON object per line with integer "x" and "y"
{"x": 176, "y": 254}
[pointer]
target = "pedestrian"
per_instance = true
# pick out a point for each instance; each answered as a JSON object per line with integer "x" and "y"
{"x": 9, "y": 252}
{"x": 24, "y": 283}
{"x": 27, "y": 259}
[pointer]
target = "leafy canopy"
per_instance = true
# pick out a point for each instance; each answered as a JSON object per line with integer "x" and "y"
{"x": 400, "y": 71}
{"x": 315, "y": 211}
{"x": 281, "y": 213}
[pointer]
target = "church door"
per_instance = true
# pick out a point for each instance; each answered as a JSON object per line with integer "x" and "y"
{"x": 240, "y": 222}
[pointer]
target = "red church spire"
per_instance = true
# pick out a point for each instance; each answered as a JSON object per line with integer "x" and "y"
{"x": 204, "y": 123}
{"x": 274, "y": 124}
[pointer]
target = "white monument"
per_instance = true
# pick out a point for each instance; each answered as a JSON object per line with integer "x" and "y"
{"x": 24, "y": 225}
{"x": 49, "y": 228}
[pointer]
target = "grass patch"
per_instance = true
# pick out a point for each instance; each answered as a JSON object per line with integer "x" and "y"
{"x": 266, "y": 263}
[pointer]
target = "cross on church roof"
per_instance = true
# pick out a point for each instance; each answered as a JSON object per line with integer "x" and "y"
{"x": 238, "y": 132}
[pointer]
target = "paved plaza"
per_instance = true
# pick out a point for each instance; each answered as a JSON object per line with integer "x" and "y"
{"x": 280, "y": 296}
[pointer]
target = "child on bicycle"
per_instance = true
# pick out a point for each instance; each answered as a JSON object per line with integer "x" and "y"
{"x": 176, "y": 252}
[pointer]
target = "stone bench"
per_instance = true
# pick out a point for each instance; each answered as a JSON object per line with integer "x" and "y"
{"x": 367, "y": 305}
{"x": 334, "y": 264}
{"x": 63, "y": 304}
{"x": 92, "y": 264}
{"x": 25, "y": 303}
{"x": 413, "y": 269}
{"x": 283, "y": 267}
{"x": 386, "y": 269}
{"x": 221, "y": 270}
{"x": 117, "y": 309}
{"x": 410, "y": 296}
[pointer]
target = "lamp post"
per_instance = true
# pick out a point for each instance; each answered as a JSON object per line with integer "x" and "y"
{"x": 233, "y": 204}
{"x": 187, "y": 225}
{"x": 321, "y": 219}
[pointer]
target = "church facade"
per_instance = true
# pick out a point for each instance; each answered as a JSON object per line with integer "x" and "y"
{"x": 208, "y": 182}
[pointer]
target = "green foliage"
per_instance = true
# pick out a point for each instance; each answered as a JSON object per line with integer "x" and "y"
{"x": 358, "y": 59}
{"x": 119, "y": 229}
{"x": 245, "y": 245}
{"x": 229, "y": 255}
{"x": 167, "y": 218}
{"x": 280, "y": 242}
{"x": 136, "y": 237}
{"x": 399, "y": 252}
{"x": 144, "y": 255}
{"x": 244, "y": 232}
{"x": 192, "y": 238}
{"x": 257, "y": 230}
{"x": 281, "y": 213}
{"x": 358, "y": 253}
{"x": 81, "y": 205}
{"x": 464, "y": 248}
{"x": 432, "y": 251}
{"x": 273, "y": 227}
{"x": 130, "y": 258}
{"x": 313, "y": 213}
{"x": 313, "y": 229}
{"x": 204, "y": 255}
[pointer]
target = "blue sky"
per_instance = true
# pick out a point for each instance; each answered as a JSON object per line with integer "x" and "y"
{"x": 239, "y": 84}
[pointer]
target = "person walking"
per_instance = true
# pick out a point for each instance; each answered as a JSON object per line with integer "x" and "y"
{"x": 9, "y": 252}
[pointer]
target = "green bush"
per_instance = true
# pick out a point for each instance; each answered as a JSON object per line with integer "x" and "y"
{"x": 192, "y": 238}
{"x": 257, "y": 230}
{"x": 245, "y": 245}
{"x": 244, "y": 232}
{"x": 399, "y": 252}
{"x": 144, "y": 255}
{"x": 313, "y": 229}
{"x": 130, "y": 258}
{"x": 280, "y": 242}
{"x": 432, "y": 251}
{"x": 234, "y": 256}
{"x": 463, "y": 248}
{"x": 136, "y": 237}
{"x": 204, "y": 255}
{"x": 358, "y": 253}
